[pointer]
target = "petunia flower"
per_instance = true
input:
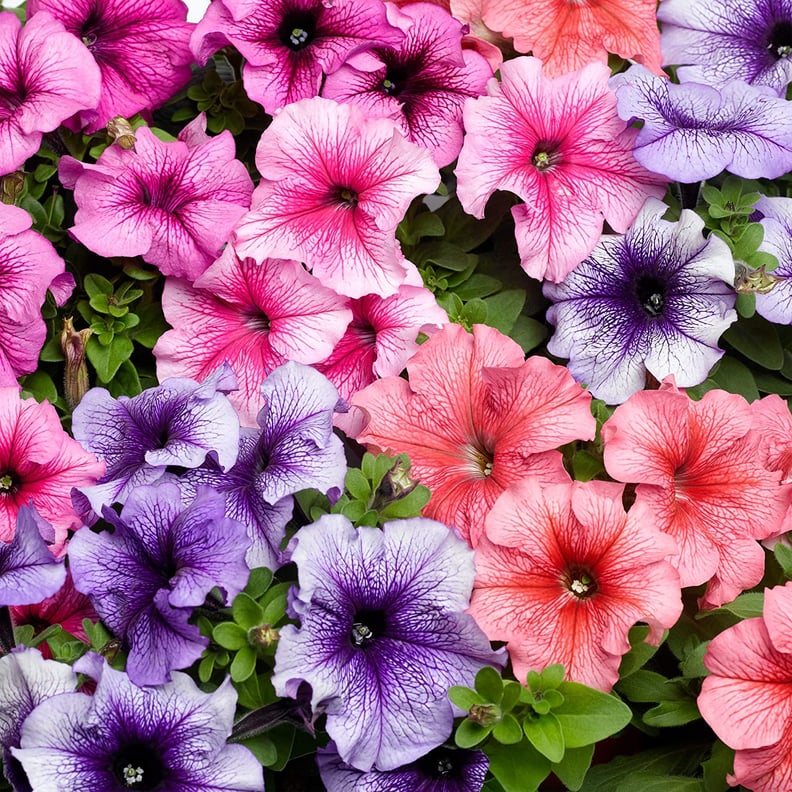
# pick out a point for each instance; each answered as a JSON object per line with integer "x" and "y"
{"x": 253, "y": 316}
{"x": 421, "y": 83}
{"x": 748, "y": 40}
{"x": 335, "y": 185}
{"x": 654, "y": 301}
{"x": 289, "y": 44}
{"x": 473, "y": 418}
{"x": 776, "y": 304}
{"x": 568, "y": 35}
{"x": 39, "y": 462}
{"x": 173, "y": 203}
{"x": 162, "y": 559}
{"x": 46, "y": 76}
{"x": 125, "y": 737}
{"x": 693, "y": 131}
{"x": 382, "y": 635}
{"x": 142, "y": 50}
{"x": 560, "y": 146}
{"x": 694, "y": 462}
{"x": 564, "y": 573}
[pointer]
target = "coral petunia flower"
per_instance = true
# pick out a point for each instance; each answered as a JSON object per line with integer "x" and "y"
{"x": 703, "y": 479}
{"x": 568, "y": 34}
{"x": 475, "y": 417}
{"x": 564, "y": 573}
{"x": 561, "y": 147}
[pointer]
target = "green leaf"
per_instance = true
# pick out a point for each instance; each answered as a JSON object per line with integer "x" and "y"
{"x": 478, "y": 285}
{"x": 693, "y": 666}
{"x": 243, "y": 664}
{"x": 649, "y": 686}
{"x": 474, "y": 312}
{"x": 736, "y": 377}
{"x": 247, "y": 612}
{"x": 783, "y": 554}
{"x": 528, "y": 333}
{"x": 672, "y": 713}
{"x": 444, "y": 254}
{"x": 97, "y": 286}
{"x": 545, "y": 734}
{"x": 106, "y": 360}
{"x": 425, "y": 224}
{"x": 263, "y": 748}
{"x": 511, "y": 695}
{"x": 640, "y": 651}
{"x": 39, "y": 384}
{"x": 230, "y": 636}
{"x": 465, "y": 698}
{"x": 504, "y": 307}
{"x": 489, "y": 684}
{"x": 746, "y": 606}
{"x": 746, "y": 304}
{"x": 507, "y": 730}
{"x": 518, "y": 768}
{"x": 588, "y": 716}
{"x": 720, "y": 763}
{"x": 408, "y": 506}
{"x": 551, "y": 677}
{"x": 358, "y": 485}
{"x": 653, "y": 783}
{"x": 758, "y": 340}
{"x": 258, "y": 582}
{"x": 126, "y": 381}
{"x": 470, "y": 733}
{"x": 206, "y": 667}
{"x": 572, "y": 769}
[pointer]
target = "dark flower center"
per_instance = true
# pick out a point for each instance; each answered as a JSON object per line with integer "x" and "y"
{"x": 396, "y": 78}
{"x": 650, "y": 292}
{"x": 440, "y": 764}
{"x": 91, "y": 30}
{"x": 580, "y": 581}
{"x": 346, "y": 197}
{"x": 367, "y": 625}
{"x": 259, "y": 323}
{"x": 545, "y": 156}
{"x": 297, "y": 30}
{"x": 482, "y": 454}
{"x": 138, "y": 765}
{"x": 8, "y": 484}
{"x": 779, "y": 40}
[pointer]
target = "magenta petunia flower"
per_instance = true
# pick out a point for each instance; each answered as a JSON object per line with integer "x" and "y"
{"x": 142, "y": 49}
{"x": 46, "y": 76}
{"x": 289, "y": 44}
{"x": 560, "y": 146}
{"x": 421, "y": 84}
{"x": 335, "y": 185}
{"x": 255, "y": 317}
{"x": 174, "y": 204}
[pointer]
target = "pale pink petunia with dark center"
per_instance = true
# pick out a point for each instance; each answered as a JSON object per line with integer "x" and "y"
{"x": 564, "y": 572}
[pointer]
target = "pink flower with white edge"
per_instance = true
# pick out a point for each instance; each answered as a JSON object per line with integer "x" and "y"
{"x": 334, "y": 186}
{"x": 46, "y": 75}
{"x": 173, "y": 203}
{"x": 254, "y": 316}
{"x": 560, "y": 146}
{"x": 564, "y": 572}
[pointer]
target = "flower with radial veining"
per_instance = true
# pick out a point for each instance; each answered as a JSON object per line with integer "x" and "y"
{"x": 728, "y": 40}
{"x": 293, "y": 449}
{"x": 141, "y": 48}
{"x": 173, "y": 203}
{"x": 654, "y": 301}
{"x": 253, "y": 316}
{"x": 474, "y": 417}
{"x": 382, "y": 635}
{"x": 693, "y": 131}
{"x": 177, "y": 423}
{"x": 443, "y": 769}
{"x": 45, "y": 77}
{"x": 421, "y": 84}
{"x": 335, "y": 185}
{"x": 162, "y": 559}
{"x": 776, "y": 304}
{"x": 289, "y": 44}
{"x": 39, "y": 462}
{"x": 125, "y": 737}
{"x": 694, "y": 462}
{"x": 560, "y": 146}
{"x": 564, "y": 572}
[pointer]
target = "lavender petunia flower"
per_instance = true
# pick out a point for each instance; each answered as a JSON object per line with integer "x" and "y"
{"x": 441, "y": 770}
{"x": 692, "y": 131}
{"x": 382, "y": 636}
{"x": 294, "y": 449}
{"x": 177, "y": 423}
{"x": 655, "y": 300}
{"x": 160, "y": 562}
{"x": 729, "y": 40}
{"x": 776, "y": 304}
{"x": 124, "y": 737}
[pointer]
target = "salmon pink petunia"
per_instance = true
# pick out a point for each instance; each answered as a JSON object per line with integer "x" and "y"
{"x": 702, "y": 479}
{"x": 563, "y": 574}
{"x": 475, "y": 417}
{"x": 561, "y": 147}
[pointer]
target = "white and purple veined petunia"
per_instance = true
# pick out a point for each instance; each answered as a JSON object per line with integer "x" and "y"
{"x": 382, "y": 636}
{"x": 776, "y": 304}
{"x": 653, "y": 301}
{"x": 170, "y": 737}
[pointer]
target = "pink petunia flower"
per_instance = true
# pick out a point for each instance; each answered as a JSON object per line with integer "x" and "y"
{"x": 564, "y": 573}
{"x": 702, "y": 479}
{"x": 255, "y": 316}
{"x": 174, "y": 203}
{"x": 474, "y": 418}
{"x": 335, "y": 185}
{"x": 560, "y": 146}
{"x": 747, "y": 698}
{"x": 46, "y": 76}
{"x": 39, "y": 462}
{"x": 141, "y": 48}
{"x": 289, "y": 44}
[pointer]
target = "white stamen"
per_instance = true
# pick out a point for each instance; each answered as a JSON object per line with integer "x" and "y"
{"x": 133, "y": 775}
{"x": 578, "y": 587}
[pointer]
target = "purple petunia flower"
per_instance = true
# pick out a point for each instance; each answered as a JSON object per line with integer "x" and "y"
{"x": 441, "y": 770}
{"x": 382, "y": 635}
{"x": 692, "y": 131}
{"x": 776, "y": 305}
{"x": 729, "y": 40}
{"x": 160, "y": 562}
{"x": 177, "y": 423}
{"x": 124, "y": 737}
{"x": 294, "y": 449}
{"x": 655, "y": 300}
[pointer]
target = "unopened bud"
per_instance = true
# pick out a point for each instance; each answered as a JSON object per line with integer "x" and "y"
{"x": 264, "y": 636}
{"x": 122, "y": 133}
{"x": 11, "y": 186}
{"x": 75, "y": 380}
{"x": 484, "y": 714}
{"x": 754, "y": 280}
